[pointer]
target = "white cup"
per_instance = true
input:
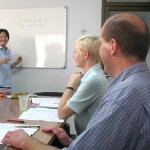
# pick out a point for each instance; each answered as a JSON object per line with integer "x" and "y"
{"x": 23, "y": 101}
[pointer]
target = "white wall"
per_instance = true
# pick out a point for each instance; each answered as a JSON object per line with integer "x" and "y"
{"x": 85, "y": 14}
{"x": 82, "y": 14}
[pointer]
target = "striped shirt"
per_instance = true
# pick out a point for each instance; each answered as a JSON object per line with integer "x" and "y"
{"x": 122, "y": 121}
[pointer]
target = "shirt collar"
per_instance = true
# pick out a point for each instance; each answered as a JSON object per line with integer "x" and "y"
{"x": 129, "y": 71}
{"x": 93, "y": 68}
{"x": 3, "y": 48}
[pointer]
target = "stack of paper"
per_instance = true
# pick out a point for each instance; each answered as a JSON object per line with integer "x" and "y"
{"x": 46, "y": 102}
{"x": 44, "y": 114}
{"x": 5, "y": 127}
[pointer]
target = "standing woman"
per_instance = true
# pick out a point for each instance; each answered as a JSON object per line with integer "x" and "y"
{"x": 5, "y": 63}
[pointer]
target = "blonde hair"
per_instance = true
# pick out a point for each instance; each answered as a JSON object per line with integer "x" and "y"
{"x": 90, "y": 43}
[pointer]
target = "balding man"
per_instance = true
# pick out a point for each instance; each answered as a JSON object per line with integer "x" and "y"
{"x": 122, "y": 121}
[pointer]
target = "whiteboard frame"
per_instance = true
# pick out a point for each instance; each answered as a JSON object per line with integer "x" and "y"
{"x": 30, "y": 26}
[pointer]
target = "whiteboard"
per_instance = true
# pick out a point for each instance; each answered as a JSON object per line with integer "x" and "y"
{"x": 37, "y": 34}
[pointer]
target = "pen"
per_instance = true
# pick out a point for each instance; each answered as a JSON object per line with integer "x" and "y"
{"x": 17, "y": 121}
{"x": 28, "y": 126}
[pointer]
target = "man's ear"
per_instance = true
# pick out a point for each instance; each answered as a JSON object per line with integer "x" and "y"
{"x": 114, "y": 47}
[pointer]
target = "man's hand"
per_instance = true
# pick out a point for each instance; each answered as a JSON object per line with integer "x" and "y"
{"x": 61, "y": 135}
{"x": 16, "y": 138}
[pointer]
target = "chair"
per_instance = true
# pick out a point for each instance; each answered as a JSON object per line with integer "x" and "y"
{"x": 57, "y": 94}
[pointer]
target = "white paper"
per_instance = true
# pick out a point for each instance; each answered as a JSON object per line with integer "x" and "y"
{"x": 44, "y": 114}
{"x": 5, "y": 127}
{"x": 46, "y": 102}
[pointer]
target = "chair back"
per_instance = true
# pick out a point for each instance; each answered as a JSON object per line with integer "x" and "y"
{"x": 57, "y": 94}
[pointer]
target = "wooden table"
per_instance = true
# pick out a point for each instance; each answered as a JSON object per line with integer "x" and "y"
{"x": 9, "y": 109}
